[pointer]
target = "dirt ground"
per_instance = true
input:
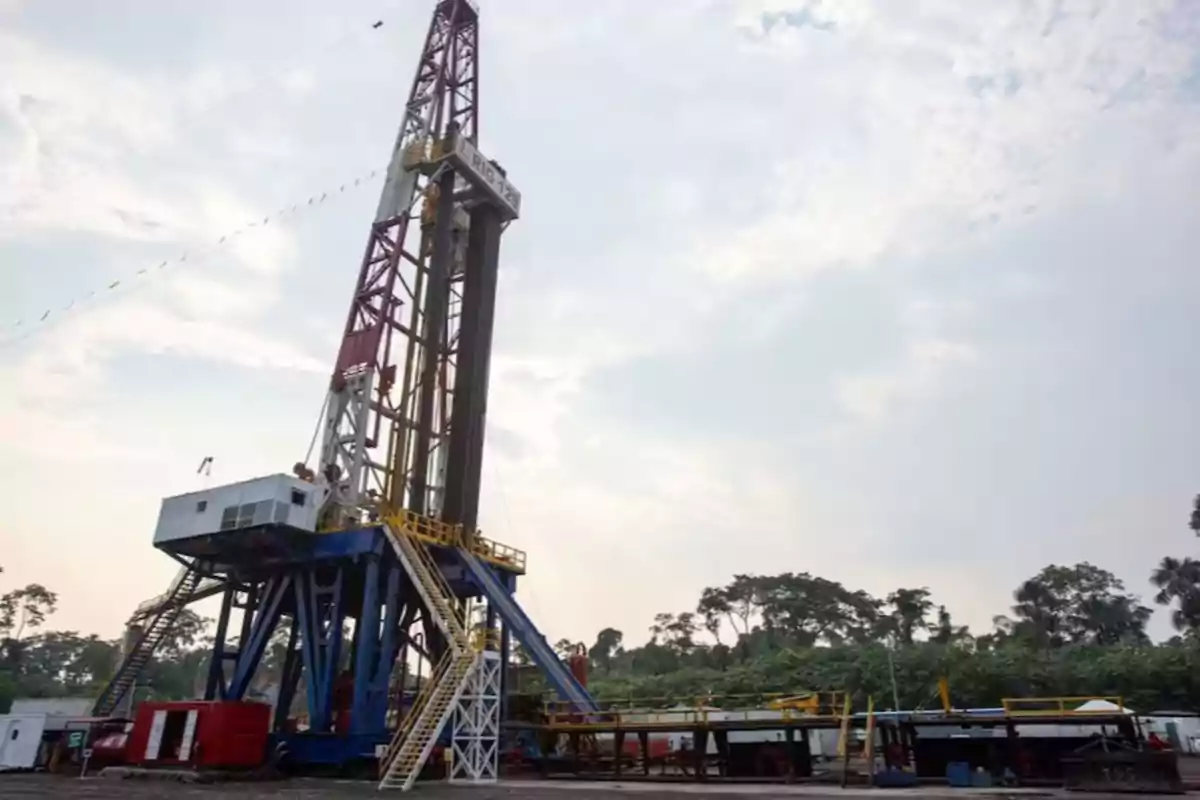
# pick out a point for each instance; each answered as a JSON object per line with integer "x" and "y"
{"x": 36, "y": 787}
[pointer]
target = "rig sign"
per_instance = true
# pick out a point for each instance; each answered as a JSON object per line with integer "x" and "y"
{"x": 485, "y": 175}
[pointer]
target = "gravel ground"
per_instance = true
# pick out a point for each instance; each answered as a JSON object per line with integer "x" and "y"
{"x": 35, "y": 787}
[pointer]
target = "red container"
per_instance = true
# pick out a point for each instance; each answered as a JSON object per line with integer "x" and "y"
{"x": 199, "y": 734}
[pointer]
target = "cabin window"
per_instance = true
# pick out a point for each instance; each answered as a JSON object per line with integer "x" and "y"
{"x": 297, "y": 497}
{"x": 201, "y": 506}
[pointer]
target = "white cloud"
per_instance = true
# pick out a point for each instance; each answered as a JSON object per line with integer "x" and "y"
{"x": 940, "y": 125}
{"x": 871, "y": 396}
{"x": 77, "y": 134}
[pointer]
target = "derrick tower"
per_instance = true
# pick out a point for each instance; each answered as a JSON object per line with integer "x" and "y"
{"x": 404, "y": 415}
{"x": 368, "y": 568}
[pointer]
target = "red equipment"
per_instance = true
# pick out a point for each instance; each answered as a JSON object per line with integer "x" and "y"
{"x": 577, "y": 662}
{"x": 200, "y": 734}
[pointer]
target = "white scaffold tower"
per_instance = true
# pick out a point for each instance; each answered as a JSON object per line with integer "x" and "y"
{"x": 475, "y": 735}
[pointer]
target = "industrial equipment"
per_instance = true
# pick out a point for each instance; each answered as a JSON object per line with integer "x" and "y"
{"x": 371, "y": 559}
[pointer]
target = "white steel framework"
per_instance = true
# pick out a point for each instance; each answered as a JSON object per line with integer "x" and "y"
{"x": 475, "y": 735}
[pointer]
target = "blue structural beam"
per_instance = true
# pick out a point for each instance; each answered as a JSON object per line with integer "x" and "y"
{"x": 261, "y": 625}
{"x": 568, "y": 688}
{"x": 320, "y": 613}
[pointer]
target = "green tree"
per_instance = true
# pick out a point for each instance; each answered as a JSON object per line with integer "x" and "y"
{"x": 1077, "y": 604}
{"x": 606, "y": 648}
{"x": 714, "y": 606}
{"x": 945, "y": 632}
{"x": 566, "y": 648}
{"x": 1178, "y": 583}
{"x": 801, "y": 609}
{"x": 22, "y": 610}
{"x": 909, "y": 608}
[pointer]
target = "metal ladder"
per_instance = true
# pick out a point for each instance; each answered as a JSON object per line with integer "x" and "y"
{"x": 163, "y": 615}
{"x": 414, "y": 740}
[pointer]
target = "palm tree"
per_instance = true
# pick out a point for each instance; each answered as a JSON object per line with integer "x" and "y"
{"x": 1179, "y": 582}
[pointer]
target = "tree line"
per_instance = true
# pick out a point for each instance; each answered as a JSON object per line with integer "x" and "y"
{"x": 1071, "y": 630}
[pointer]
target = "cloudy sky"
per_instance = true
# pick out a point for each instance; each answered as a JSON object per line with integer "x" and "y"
{"x": 901, "y": 294}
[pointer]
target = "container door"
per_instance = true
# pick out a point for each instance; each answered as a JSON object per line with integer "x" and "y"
{"x": 156, "y": 733}
{"x": 22, "y": 739}
{"x": 189, "y": 734}
{"x": 5, "y": 725}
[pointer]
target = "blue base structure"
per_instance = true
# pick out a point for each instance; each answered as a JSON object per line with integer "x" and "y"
{"x": 327, "y": 749}
{"x": 350, "y": 615}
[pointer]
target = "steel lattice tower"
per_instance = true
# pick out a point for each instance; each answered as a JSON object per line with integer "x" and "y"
{"x": 388, "y": 414}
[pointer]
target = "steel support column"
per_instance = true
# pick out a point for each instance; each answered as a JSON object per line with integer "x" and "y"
{"x": 320, "y": 612}
{"x": 214, "y": 688}
{"x": 260, "y": 625}
{"x": 289, "y": 676}
{"x": 366, "y": 650}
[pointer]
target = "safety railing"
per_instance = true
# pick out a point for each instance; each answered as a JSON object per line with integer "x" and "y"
{"x": 484, "y": 639}
{"x": 702, "y": 710}
{"x": 443, "y": 534}
{"x": 405, "y": 524}
{"x": 419, "y": 703}
{"x": 1066, "y": 706}
{"x": 500, "y": 554}
{"x": 154, "y": 602}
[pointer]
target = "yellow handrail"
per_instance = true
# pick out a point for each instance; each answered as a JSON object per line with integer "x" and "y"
{"x": 419, "y": 702}
{"x": 409, "y": 525}
{"x": 1065, "y": 706}
{"x": 443, "y": 534}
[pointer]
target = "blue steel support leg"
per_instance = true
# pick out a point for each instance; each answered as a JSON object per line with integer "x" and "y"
{"x": 321, "y": 617}
{"x": 321, "y": 642}
{"x": 214, "y": 687}
{"x": 262, "y": 625}
{"x": 306, "y": 613}
{"x": 332, "y": 629}
{"x": 289, "y": 677}
{"x": 366, "y": 650}
{"x": 394, "y": 617}
{"x": 248, "y": 609}
{"x": 510, "y": 585}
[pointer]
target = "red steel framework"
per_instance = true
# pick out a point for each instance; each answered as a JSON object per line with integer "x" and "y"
{"x": 375, "y": 434}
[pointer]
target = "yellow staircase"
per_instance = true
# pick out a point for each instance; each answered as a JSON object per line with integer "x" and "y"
{"x": 410, "y": 747}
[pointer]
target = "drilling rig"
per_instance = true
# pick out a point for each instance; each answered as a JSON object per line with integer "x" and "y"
{"x": 379, "y": 536}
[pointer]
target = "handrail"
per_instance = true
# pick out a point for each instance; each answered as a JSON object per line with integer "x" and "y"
{"x": 146, "y": 606}
{"x": 455, "y": 619}
{"x": 484, "y": 639}
{"x": 1064, "y": 706}
{"x": 443, "y": 534}
{"x": 418, "y": 706}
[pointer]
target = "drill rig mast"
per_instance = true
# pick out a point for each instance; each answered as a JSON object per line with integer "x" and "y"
{"x": 410, "y": 353}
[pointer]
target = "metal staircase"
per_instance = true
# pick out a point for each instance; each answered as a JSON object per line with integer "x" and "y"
{"x": 162, "y": 613}
{"x": 414, "y": 740}
{"x": 207, "y": 587}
